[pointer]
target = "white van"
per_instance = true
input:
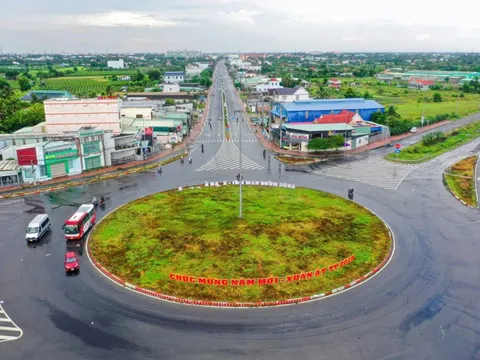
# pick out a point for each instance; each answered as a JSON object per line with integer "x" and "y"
{"x": 37, "y": 227}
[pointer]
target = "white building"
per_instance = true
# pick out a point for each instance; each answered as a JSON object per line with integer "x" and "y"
{"x": 68, "y": 115}
{"x": 273, "y": 83}
{"x": 289, "y": 95}
{"x": 173, "y": 77}
{"x": 137, "y": 112}
{"x": 116, "y": 64}
{"x": 195, "y": 69}
{"x": 171, "y": 88}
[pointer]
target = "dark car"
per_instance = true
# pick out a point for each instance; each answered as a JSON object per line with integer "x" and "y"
{"x": 72, "y": 266}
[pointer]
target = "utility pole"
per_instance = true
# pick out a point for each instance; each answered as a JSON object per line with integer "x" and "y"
{"x": 240, "y": 177}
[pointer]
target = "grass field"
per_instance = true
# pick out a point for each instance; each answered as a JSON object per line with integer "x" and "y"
{"x": 460, "y": 178}
{"x": 196, "y": 232}
{"x": 419, "y": 152}
{"x": 77, "y": 85}
{"x": 410, "y": 103}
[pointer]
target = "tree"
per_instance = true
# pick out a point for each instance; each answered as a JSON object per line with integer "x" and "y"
{"x": 24, "y": 117}
{"x": 11, "y": 74}
{"x": 392, "y": 111}
{"x": 75, "y": 69}
{"x": 5, "y": 89}
{"x": 332, "y": 142}
{"x": 138, "y": 76}
{"x": 350, "y": 93}
{"x": 367, "y": 95}
{"x": 24, "y": 83}
{"x": 169, "y": 101}
{"x": 108, "y": 90}
{"x": 437, "y": 98}
{"x": 154, "y": 75}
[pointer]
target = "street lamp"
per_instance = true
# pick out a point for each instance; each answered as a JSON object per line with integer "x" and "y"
{"x": 238, "y": 113}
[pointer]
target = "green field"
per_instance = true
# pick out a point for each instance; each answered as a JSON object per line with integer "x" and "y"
{"x": 77, "y": 85}
{"x": 420, "y": 152}
{"x": 196, "y": 232}
{"x": 460, "y": 178}
{"x": 410, "y": 103}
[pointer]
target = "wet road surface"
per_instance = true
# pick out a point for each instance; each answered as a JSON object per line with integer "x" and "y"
{"x": 424, "y": 305}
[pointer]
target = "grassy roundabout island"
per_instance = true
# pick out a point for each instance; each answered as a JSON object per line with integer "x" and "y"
{"x": 290, "y": 243}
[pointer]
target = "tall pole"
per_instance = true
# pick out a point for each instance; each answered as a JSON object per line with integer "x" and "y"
{"x": 240, "y": 214}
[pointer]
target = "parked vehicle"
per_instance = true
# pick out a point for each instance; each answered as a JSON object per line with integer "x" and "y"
{"x": 37, "y": 228}
{"x": 413, "y": 130}
{"x": 80, "y": 222}
{"x": 72, "y": 266}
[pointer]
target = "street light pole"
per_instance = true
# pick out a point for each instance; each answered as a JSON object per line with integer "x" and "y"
{"x": 240, "y": 215}
{"x": 240, "y": 178}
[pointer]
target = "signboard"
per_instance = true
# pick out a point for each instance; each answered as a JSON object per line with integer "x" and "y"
{"x": 61, "y": 155}
{"x": 272, "y": 280}
{"x": 90, "y": 133}
{"x": 397, "y": 151}
{"x": 397, "y": 146}
{"x": 107, "y": 98}
{"x": 296, "y": 136}
{"x": 148, "y": 131}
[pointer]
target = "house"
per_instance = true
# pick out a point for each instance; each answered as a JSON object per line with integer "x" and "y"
{"x": 289, "y": 94}
{"x": 47, "y": 94}
{"x": 420, "y": 84}
{"x": 125, "y": 78}
{"x": 309, "y": 110}
{"x": 116, "y": 64}
{"x": 335, "y": 83}
{"x": 344, "y": 117}
{"x": 171, "y": 88}
{"x": 173, "y": 77}
{"x": 195, "y": 69}
{"x": 273, "y": 83}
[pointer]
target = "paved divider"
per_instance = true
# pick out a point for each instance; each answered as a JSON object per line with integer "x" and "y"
{"x": 225, "y": 304}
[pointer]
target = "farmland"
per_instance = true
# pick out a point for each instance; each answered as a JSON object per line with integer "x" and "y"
{"x": 77, "y": 85}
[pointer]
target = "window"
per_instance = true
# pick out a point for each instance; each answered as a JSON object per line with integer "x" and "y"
{"x": 139, "y": 116}
{"x": 28, "y": 173}
{"x": 43, "y": 170}
{"x": 91, "y": 147}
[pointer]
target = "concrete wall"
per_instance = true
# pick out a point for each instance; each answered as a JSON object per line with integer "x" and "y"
{"x": 136, "y": 112}
{"x": 69, "y": 115}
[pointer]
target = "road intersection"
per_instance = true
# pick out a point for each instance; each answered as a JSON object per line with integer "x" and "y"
{"x": 425, "y": 304}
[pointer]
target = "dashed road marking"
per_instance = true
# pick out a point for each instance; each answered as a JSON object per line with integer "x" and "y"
{"x": 8, "y": 330}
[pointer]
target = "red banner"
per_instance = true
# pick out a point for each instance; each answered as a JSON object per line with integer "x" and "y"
{"x": 272, "y": 280}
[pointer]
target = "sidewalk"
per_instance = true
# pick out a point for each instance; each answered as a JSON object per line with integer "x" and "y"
{"x": 119, "y": 170}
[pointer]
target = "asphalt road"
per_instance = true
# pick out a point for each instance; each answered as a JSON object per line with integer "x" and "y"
{"x": 424, "y": 305}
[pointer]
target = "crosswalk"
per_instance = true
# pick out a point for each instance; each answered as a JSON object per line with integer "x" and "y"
{"x": 374, "y": 171}
{"x": 228, "y": 158}
{"x": 8, "y": 329}
{"x": 221, "y": 141}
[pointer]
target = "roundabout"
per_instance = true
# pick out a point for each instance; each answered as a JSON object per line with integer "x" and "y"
{"x": 291, "y": 245}
{"x": 423, "y": 305}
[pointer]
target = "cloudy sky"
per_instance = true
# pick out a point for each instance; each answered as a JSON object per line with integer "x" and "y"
{"x": 238, "y": 25}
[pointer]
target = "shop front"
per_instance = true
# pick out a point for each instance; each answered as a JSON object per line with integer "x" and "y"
{"x": 62, "y": 163}
{"x": 91, "y": 141}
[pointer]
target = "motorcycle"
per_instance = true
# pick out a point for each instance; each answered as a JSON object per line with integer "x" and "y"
{"x": 182, "y": 160}
{"x": 159, "y": 170}
{"x": 190, "y": 161}
{"x": 202, "y": 149}
{"x": 350, "y": 194}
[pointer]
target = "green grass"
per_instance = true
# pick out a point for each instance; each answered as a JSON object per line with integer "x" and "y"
{"x": 415, "y": 110}
{"x": 197, "y": 232}
{"x": 419, "y": 152}
{"x": 460, "y": 178}
{"x": 76, "y": 85}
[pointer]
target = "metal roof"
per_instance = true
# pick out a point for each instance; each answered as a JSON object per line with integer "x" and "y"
{"x": 167, "y": 73}
{"x": 318, "y": 127}
{"x": 8, "y": 165}
{"x": 332, "y": 105}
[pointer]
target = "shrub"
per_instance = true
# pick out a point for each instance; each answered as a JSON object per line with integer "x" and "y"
{"x": 433, "y": 138}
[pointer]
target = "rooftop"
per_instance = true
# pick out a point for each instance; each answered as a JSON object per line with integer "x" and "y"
{"x": 47, "y": 94}
{"x": 9, "y": 166}
{"x": 344, "y": 117}
{"x": 332, "y": 105}
{"x": 318, "y": 127}
{"x": 167, "y": 73}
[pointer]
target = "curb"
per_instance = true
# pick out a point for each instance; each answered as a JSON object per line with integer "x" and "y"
{"x": 444, "y": 180}
{"x": 224, "y": 304}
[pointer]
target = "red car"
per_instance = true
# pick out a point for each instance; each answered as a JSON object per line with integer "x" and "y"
{"x": 72, "y": 266}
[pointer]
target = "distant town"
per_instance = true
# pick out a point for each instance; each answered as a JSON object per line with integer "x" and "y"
{"x": 65, "y": 114}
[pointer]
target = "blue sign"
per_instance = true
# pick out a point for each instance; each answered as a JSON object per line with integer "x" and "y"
{"x": 397, "y": 151}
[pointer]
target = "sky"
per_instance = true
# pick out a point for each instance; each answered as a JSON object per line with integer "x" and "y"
{"x": 238, "y": 26}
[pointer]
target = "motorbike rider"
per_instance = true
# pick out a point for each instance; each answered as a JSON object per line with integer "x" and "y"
{"x": 190, "y": 160}
{"x": 94, "y": 200}
{"x": 202, "y": 148}
{"x": 102, "y": 200}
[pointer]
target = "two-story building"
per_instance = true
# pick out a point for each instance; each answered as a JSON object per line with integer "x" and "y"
{"x": 273, "y": 83}
{"x": 288, "y": 95}
{"x": 173, "y": 77}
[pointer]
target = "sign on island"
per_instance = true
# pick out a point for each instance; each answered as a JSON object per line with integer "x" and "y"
{"x": 272, "y": 280}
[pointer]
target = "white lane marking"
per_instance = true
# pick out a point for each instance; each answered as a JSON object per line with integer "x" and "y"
{"x": 10, "y": 337}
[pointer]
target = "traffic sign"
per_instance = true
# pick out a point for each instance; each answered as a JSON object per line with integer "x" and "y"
{"x": 397, "y": 146}
{"x": 397, "y": 151}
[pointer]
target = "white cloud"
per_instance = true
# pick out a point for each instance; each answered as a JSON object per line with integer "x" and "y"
{"x": 242, "y": 16}
{"x": 120, "y": 18}
{"x": 351, "y": 38}
{"x": 421, "y": 37}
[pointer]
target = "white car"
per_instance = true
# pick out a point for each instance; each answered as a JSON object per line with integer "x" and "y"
{"x": 413, "y": 130}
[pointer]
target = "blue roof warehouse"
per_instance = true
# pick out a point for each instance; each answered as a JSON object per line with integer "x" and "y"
{"x": 309, "y": 110}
